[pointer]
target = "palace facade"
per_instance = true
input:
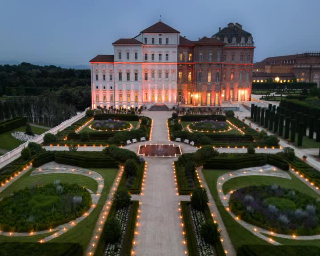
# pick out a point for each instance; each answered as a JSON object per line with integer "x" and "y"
{"x": 161, "y": 67}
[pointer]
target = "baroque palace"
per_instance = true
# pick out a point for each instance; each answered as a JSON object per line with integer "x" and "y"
{"x": 160, "y": 67}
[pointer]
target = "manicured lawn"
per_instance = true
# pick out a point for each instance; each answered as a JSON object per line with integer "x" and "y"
{"x": 239, "y": 235}
{"x": 82, "y": 232}
{"x": 233, "y": 131}
{"x": 7, "y": 141}
{"x": 87, "y": 129}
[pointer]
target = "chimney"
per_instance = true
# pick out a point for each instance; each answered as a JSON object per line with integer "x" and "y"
{"x": 238, "y": 25}
{"x": 230, "y": 25}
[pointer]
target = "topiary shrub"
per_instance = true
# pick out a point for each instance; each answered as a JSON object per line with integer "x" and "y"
{"x": 190, "y": 168}
{"x": 251, "y": 150}
{"x": 210, "y": 232}
{"x": 205, "y": 153}
{"x": 49, "y": 138}
{"x": 112, "y": 230}
{"x": 122, "y": 198}
{"x": 289, "y": 153}
{"x": 85, "y": 137}
{"x": 130, "y": 167}
{"x": 35, "y": 148}
{"x": 199, "y": 199}
{"x": 174, "y": 115}
{"x": 89, "y": 113}
{"x": 270, "y": 141}
{"x": 29, "y": 130}
{"x": 229, "y": 113}
{"x": 26, "y": 153}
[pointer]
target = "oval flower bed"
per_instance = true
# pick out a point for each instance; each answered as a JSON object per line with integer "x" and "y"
{"x": 210, "y": 126}
{"x": 110, "y": 125}
{"x": 42, "y": 208}
{"x": 284, "y": 211}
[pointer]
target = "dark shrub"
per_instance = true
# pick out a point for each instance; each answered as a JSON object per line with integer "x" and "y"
{"x": 174, "y": 115}
{"x": 112, "y": 230}
{"x": 49, "y": 138}
{"x": 263, "y": 134}
{"x": 89, "y": 113}
{"x": 229, "y": 113}
{"x": 35, "y": 148}
{"x": 120, "y": 154}
{"x": 122, "y": 198}
{"x": 29, "y": 130}
{"x": 190, "y": 168}
{"x": 199, "y": 199}
{"x": 251, "y": 150}
{"x": 130, "y": 167}
{"x": 210, "y": 232}
{"x": 205, "y": 153}
{"x": 85, "y": 137}
{"x": 270, "y": 141}
{"x": 289, "y": 153}
{"x": 26, "y": 153}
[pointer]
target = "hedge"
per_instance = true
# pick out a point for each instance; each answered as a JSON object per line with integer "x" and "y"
{"x": 11, "y": 124}
{"x": 183, "y": 187}
{"x": 137, "y": 183}
{"x": 40, "y": 249}
{"x": 123, "y": 117}
{"x": 280, "y": 250}
{"x": 43, "y": 158}
{"x": 276, "y": 86}
{"x": 189, "y": 118}
{"x": 10, "y": 170}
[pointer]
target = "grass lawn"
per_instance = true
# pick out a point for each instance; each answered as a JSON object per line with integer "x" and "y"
{"x": 87, "y": 129}
{"x": 82, "y": 232}
{"x": 306, "y": 142}
{"x": 233, "y": 131}
{"x": 7, "y": 141}
{"x": 239, "y": 235}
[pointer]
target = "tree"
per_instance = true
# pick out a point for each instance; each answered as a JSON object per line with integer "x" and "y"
{"x": 112, "y": 230}
{"x": 205, "y": 153}
{"x": 293, "y": 130}
{"x": 35, "y": 148}
{"x": 210, "y": 232}
{"x": 29, "y": 130}
{"x": 229, "y": 113}
{"x": 289, "y": 153}
{"x": 300, "y": 133}
{"x": 251, "y": 150}
{"x": 130, "y": 167}
{"x": 49, "y": 138}
{"x": 174, "y": 115}
{"x": 122, "y": 198}
{"x": 26, "y": 153}
{"x": 199, "y": 199}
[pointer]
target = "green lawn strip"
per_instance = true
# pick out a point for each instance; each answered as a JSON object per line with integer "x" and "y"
{"x": 30, "y": 181}
{"x": 23, "y": 239}
{"x": 285, "y": 241}
{"x": 82, "y": 232}
{"x": 238, "y": 234}
{"x": 7, "y": 141}
{"x": 245, "y": 181}
{"x": 87, "y": 129}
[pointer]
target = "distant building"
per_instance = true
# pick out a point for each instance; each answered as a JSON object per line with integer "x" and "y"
{"x": 301, "y": 67}
{"x": 161, "y": 67}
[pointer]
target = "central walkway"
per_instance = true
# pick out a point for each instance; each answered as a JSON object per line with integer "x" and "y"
{"x": 160, "y": 231}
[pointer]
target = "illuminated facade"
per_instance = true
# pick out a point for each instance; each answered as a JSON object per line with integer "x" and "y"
{"x": 160, "y": 67}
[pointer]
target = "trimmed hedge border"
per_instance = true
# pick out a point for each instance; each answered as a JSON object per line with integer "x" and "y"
{"x": 137, "y": 185}
{"x": 122, "y": 117}
{"x": 182, "y": 188}
{"x": 190, "y": 118}
{"x": 280, "y": 250}
{"x": 11, "y": 124}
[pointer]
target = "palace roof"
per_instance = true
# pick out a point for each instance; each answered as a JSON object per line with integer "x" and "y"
{"x": 127, "y": 41}
{"x": 185, "y": 41}
{"x": 160, "y": 27}
{"x": 209, "y": 41}
{"x": 103, "y": 58}
{"x": 231, "y": 31}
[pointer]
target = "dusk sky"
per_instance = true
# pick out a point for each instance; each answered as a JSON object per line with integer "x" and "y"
{"x": 71, "y": 32}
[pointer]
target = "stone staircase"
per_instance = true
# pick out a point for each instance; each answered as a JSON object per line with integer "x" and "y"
{"x": 159, "y": 107}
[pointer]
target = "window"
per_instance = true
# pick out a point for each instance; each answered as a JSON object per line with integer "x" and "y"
{"x": 241, "y": 57}
{"x": 104, "y": 87}
{"x": 189, "y": 76}
{"x": 180, "y": 74}
{"x": 167, "y": 74}
{"x": 152, "y": 56}
{"x": 190, "y": 57}
{"x": 97, "y": 98}
{"x": 128, "y": 97}
{"x": 110, "y": 77}
{"x": 240, "y": 76}
{"x": 135, "y": 76}
{"x": 152, "y": 74}
{"x": 160, "y": 56}
{"x": 248, "y": 76}
{"x": 128, "y": 55}
{"x": 232, "y": 76}
{"x": 145, "y": 56}
{"x": 119, "y": 55}
{"x": 218, "y": 77}
{"x": 120, "y": 76}
{"x": 200, "y": 57}
{"x": 145, "y": 40}
{"x": 97, "y": 77}
{"x": 167, "y": 40}
{"x": 160, "y": 40}
{"x": 200, "y": 77}
{"x": 135, "y": 55}
{"x": 146, "y": 96}
{"x": 160, "y": 74}
{"x": 167, "y": 56}
{"x": 152, "y": 40}
{"x": 219, "y": 56}
{"x": 232, "y": 57}
{"x": 128, "y": 76}
{"x": 225, "y": 58}
{"x": 210, "y": 56}
{"x": 104, "y": 77}
{"x": 146, "y": 76}
{"x": 209, "y": 77}
{"x": 120, "y": 97}
{"x": 181, "y": 56}
{"x": 97, "y": 87}
{"x": 249, "y": 58}
{"x": 166, "y": 96}
{"x": 136, "y": 98}
{"x": 104, "y": 98}
{"x": 111, "y": 98}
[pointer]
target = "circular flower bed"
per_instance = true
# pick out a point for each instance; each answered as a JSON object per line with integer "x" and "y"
{"x": 109, "y": 125}
{"x": 209, "y": 126}
{"x": 42, "y": 208}
{"x": 284, "y": 211}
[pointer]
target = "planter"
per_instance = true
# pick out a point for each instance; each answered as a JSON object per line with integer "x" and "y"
{"x": 304, "y": 158}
